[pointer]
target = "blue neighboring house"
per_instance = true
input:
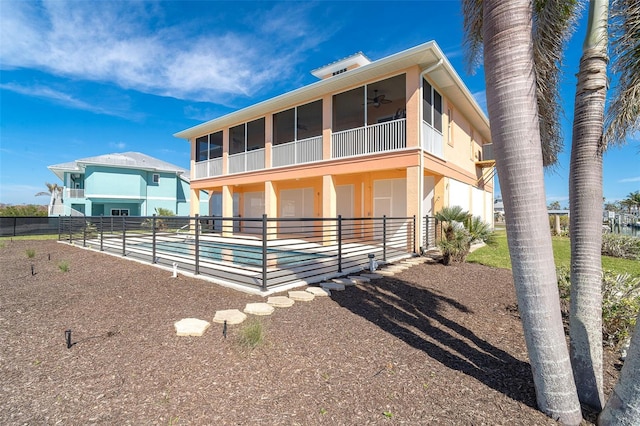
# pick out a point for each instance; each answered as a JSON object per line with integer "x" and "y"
{"x": 121, "y": 184}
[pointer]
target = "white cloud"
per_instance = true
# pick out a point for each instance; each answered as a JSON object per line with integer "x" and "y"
{"x": 67, "y": 100}
{"x": 118, "y": 43}
{"x": 117, "y": 145}
{"x": 631, "y": 179}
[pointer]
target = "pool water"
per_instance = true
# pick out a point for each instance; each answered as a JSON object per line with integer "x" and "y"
{"x": 236, "y": 253}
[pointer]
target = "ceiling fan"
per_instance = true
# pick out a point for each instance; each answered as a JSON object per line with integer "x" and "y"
{"x": 377, "y": 100}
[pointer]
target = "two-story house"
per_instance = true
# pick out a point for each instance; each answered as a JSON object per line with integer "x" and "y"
{"x": 121, "y": 184}
{"x": 400, "y": 136}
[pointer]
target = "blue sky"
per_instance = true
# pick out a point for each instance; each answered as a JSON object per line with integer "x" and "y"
{"x": 86, "y": 78}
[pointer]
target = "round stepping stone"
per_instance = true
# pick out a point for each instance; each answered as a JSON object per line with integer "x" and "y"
{"x": 332, "y": 286}
{"x": 191, "y": 327}
{"x": 231, "y": 316}
{"x": 317, "y": 291}
{"x": 301, "y": 296}
{"x": 280, "y": 301}
{"x": 259, "y": 308}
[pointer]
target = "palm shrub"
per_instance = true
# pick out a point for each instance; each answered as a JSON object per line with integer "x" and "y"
{"x": 161, "y": 224}
{"x": 461, "y": 230}
{"x": 624, "y": 246}
{"x": 620, "y": 303}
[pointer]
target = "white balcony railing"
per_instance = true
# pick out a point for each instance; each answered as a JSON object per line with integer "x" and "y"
{"x": 432, "y": 140}
{"x": 380, "y": 137}
{"x": 246, "y": 161}
{"x": 209, "y": 168}
{"x": 73, "y": 193}
{"x": 297, "y": 152}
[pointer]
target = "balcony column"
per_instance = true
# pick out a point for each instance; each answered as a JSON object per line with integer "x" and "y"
{"x": 271, "y": 206}
{"x": 327, "y": 114}
{"x": 268, "y": 143}
{"x": 414, "y": 99}
{"x": 225, "y": 152}
{"x": 227, "y": 210}
{"x": 329, "y": 210}
{"x": 414, "y": 202}
{"x": 194, "y": 205}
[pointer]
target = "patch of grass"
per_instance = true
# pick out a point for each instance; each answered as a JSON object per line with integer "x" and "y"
{"x": 323, "y": 411}
{"x": 251, "y": 334}
{"x": 63, "y": 266}
{"x": 31, "y": 253}
{"x": 498, "y": 256}
{"x": 1, "y": 244}
{"x": 30, "y": 237}
{"x": 388, "y": 414}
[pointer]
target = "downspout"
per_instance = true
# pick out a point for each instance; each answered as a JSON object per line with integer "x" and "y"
{"x": 420, "y": 137}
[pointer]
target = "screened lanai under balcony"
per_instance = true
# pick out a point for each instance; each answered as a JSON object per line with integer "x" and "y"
{"x": 370, "y": 118}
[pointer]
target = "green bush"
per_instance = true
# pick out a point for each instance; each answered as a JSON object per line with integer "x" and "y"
{"x": 623, "y": 246}
{"x": 620, "y": 303}
{"x": 31, "y": 253}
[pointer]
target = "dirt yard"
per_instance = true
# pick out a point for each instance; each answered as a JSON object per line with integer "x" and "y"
{"x": 432, "y": 345}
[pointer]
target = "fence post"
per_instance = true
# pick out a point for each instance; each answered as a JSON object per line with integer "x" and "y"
{"x": 264, "y": 252}
{"x": 339, "y": 243}
{"x": 153, "y": 239}
{"x": 101, "y": 232}
{"x": 70, "y": 229}
{"x": 384, "y": 238}
{"x": 414, "y": 234}
{"x": 15, "y": 220}
{"x": 124, "y": 236}
{"x": 197, "y": 242}
{"x": 84, "y": 232}
{"x": 59, "y": 227}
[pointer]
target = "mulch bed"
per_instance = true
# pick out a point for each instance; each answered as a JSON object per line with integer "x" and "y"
{"x": 432, "y": 345}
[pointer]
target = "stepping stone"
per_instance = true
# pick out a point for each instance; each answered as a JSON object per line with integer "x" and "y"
{"x": 344, "y": 281}
{"x": 280, "y": 301}
{"x": 191, "y": 327}
{"x": 332, "y": 286}
{"x": 317, "y": 291}
{"x": 387, "y": 273}
{"x": 395, "y": 268}
{"x": 359, "y": 278}
{"x": 260, "y": 308}
{"x": 372, "y": 276}
{"x": 231, "y": 316}
{"x": 301, "y": 296}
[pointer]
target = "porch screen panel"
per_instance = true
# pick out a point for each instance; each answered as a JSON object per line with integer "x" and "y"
{"x": 309, "y": 120}
{"x": 427, "y": 103}
{"x": 253, "y": 206}
{"x": 202, "y": 148}
{"x": 255, "y": 134}
{"x": 344, "y": 200}
{"x": 348, "y": 109}
{"x": 215, "y": 145}
{"x": 236, "y": 139}
{"x": 284, "y": 126}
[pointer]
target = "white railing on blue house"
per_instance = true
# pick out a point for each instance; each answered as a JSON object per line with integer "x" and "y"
{"x": 297, "y": 152}
{"x": 380, "y": 137}
{"x": 432, "y": 140}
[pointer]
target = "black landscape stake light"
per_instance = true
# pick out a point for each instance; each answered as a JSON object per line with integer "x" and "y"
{"x": 33, "y": 271}
{"x": 224, "y": 329}
{"x": 49, "y": 256}
{"x": 67, "y": 335}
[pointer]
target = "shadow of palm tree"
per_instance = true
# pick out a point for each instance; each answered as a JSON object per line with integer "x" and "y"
{"x": 422, "y": 318}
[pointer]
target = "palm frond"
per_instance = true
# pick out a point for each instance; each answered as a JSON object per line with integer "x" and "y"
{"x": 472, "y": 11}
{"x": 623, "y": 114}
{"x": 554, "y": 23}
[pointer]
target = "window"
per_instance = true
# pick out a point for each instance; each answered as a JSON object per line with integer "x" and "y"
{"x": 156, "y": 178}
{"x": 119, "y": 212}
{"x": 450, "y": 126}
{"x": 236, "y": 139}
{"x": 209, "y": 146}
{"x": 348, "y": 109}
{"x": 431, "y": 106}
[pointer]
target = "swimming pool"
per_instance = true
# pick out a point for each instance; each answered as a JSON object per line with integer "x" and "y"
{"x": 237, "y": 253}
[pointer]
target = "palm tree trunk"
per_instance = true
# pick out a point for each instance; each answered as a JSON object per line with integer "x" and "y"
{"x": 623, "y": 406}
{"x": 585, "y": 195}
{"x": 511, "y": 102}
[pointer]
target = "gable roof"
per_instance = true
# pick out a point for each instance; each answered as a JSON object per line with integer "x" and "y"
{"x": 129, "y": 160}
{"x": 427, "y": 56}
